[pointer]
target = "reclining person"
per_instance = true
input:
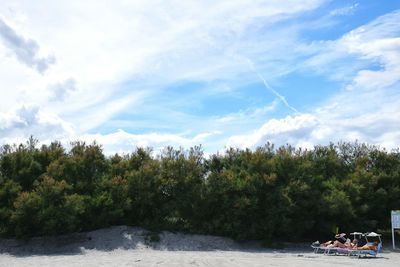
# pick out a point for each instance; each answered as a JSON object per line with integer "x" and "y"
{"x": 346, "y": 245}
{"x": 369, "y": 246}
{"x": 340, "y": 239}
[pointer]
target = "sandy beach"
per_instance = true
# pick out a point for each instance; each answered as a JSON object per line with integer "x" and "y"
{"x": 127, "y": 246}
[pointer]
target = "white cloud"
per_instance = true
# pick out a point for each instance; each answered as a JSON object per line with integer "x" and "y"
{"x": 342, "y": 122}
{"x": 59, "y": 91}
{"x": 122, "y": 56}
{"x": 148, "y": 44}
{"x": 290, "y": 130}
{"x": 25, "y": 50}
{"x": 376, "y": 42}
{"x": 18, "y": 124}
{"x": 366, "y": 111}
{"x": 122, "y": 142}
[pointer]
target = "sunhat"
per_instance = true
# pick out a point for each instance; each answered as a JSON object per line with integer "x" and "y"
{"x": 340, "y": 235}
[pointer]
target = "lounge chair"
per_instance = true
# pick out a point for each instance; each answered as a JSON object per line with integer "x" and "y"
{"x": 326, "y": 250}
{"x": 317, "y": 247}
{"x": 369, "y": 252}
{"x": 329, "y": 250}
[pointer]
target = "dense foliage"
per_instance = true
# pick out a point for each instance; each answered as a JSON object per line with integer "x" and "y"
{"x": 283, "y": 193}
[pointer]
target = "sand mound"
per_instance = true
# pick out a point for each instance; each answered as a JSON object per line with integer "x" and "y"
{"x": 117, "y": 237}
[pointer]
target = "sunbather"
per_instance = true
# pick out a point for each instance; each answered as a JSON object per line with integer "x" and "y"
{"x": 371, "y": 246}
{"x": 337, "y": 244}
{"x": 340, "y": 239}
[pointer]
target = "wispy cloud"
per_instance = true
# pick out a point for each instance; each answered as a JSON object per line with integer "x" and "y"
{"x": 246, "y": 115}
{"x": 344, "y": 11}
{"x": 272, "y": 90}
{"x": 374, "y": 43}
{"x": 130, "y": 65}
{"x": 367, "y": 107}
{"x": 152, "y": 45}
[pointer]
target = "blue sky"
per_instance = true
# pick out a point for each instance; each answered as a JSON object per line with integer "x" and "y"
{"x": 217, "y": 73}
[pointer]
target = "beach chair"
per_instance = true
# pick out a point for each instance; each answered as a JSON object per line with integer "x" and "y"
{"x": 318, "y": 248}
{"x": 369, "y": 252}
{"x": 340, "y": 251}
{"x": 337, "y": 250}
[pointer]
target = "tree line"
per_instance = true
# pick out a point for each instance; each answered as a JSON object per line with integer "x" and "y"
{"x": 269, "y": 193}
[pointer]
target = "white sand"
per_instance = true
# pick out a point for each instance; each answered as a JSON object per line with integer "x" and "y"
{"x": 125, "y": 246}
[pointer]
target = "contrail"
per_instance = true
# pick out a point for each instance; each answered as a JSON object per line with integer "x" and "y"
{"x": 281, "y": 97}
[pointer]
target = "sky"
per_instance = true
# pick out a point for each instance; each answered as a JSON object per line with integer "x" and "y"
{"x": 219, "y": 74}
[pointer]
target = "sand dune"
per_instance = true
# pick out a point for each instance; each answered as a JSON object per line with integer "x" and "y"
{"x": 126, "y": 246}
